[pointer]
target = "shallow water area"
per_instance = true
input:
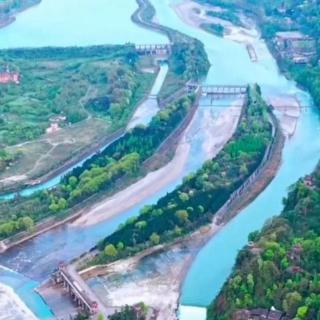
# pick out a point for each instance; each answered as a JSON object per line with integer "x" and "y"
{"x": 149, "y": 108}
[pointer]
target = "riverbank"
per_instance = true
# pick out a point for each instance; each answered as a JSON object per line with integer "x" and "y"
{"x": 12, "y": 307}
{"x": 185, "y": 49}
{"x": 156, "y": 272}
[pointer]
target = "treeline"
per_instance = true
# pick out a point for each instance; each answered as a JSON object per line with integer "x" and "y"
{"x": 109, "y": 51}
{"x": 214, "y": 28}
{"x": 101, "y": 82}
{"x": 201, "y": 194}
{"x": 280, "y": 267}
{"x": 226, "y": 15}
{"x": 99, "y": 173}
{"x": 305, "y": 17}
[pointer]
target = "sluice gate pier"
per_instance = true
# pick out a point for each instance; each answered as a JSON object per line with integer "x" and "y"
{"x": 157, "y": 50}
{"x": 79, "y": 292}
{"x": 223, "y": 91}
{"x": 218, "y": 92}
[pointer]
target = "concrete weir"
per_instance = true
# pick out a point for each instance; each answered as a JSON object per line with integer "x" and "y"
{"x": 153, "y": 49}
{"x": 80, "y": 293}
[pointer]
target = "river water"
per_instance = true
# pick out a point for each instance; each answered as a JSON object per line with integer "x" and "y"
{"x": 78, "y": 23}
{"x": 230, "y": 65}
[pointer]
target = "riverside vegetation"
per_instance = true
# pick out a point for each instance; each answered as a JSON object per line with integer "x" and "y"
{"x": 96, "y": 95}
{"x": 100, "y": 173}
{"x": 201, "y": 194}
{"x": 188, "y": 60}
{"x": 281, "y": 266}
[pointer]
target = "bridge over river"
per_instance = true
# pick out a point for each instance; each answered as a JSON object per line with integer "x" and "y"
{"x": 157, "y": 50}
{"x": 83, "y": 297}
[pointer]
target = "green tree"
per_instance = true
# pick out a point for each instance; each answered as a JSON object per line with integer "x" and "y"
{"x": 291, "y": 303}
{"x": 183, "y": 216}
{"x": 110, "y": 250}
{"x": 302, "y": 312}
{"x": 155, "y": 238}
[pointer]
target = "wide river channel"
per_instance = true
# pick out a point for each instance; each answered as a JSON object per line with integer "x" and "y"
{"x": 85, "y": 22}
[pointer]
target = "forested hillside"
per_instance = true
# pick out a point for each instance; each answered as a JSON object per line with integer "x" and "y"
{"x": 281, "y": 266}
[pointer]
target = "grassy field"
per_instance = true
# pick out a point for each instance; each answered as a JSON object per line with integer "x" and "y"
{"x": 65, "y": 101}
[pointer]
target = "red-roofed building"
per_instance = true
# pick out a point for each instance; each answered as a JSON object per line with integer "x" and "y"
{"x": 8, "y": 76}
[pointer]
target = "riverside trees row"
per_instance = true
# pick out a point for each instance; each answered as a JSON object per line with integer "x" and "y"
{"x": 201, "y": 194}
{"x": 100, "y": 173}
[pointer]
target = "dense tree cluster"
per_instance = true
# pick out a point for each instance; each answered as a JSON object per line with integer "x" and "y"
{"x": 281, "y": 266}
{"x": 202, "y": 193}
{"x": 99, "y": 173}
{"x": 189, "y": 60}
{"x": 215, "y": 28}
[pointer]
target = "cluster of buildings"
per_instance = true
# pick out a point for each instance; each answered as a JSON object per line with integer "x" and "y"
{"x": 8, "y": 76}
{"x": 295, "y": 46}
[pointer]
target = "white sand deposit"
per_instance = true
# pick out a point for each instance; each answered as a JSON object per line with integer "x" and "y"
{"x": 12, "y": 307}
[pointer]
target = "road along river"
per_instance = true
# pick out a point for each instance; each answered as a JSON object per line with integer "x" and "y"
{"x": 230, "y": 65}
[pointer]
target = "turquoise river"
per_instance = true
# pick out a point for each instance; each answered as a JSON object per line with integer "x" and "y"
{"x": 84, "y": 22}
